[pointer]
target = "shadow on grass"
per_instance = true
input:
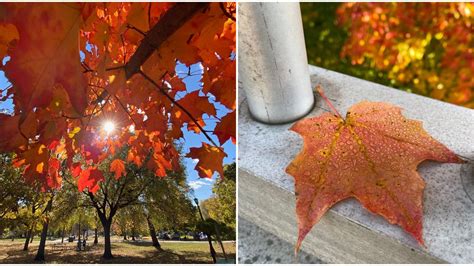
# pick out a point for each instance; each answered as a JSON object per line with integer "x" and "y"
{"x": 126, "y": 252}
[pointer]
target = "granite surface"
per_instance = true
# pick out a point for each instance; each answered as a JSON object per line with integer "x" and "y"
{"x": 257, "y": 246}
{"x": 266, "y": 150}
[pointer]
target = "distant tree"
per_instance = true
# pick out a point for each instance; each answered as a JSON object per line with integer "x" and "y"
{"x": 22, "y": 203}
{"x": 222, "y": 205}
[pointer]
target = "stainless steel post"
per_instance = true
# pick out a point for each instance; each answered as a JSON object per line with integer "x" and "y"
{"x": 273, "y": 68}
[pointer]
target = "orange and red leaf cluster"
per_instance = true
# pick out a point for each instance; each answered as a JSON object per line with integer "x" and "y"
{"x": 67, "y": 71}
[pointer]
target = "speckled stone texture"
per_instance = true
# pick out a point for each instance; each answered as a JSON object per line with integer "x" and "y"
{"x": 266, "y": 150}
{"x": 257, "y": 246}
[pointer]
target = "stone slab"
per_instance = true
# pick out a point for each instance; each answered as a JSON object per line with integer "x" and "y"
{"x": 265, "y": 151}
{"x": 257, "y": 246}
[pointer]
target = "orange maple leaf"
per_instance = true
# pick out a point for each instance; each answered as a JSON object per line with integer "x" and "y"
{"x": 210, "y": 160}
{"x": 118, "y": 168}
{"x": 371, "y": 155}
{"x": 90, "y": 178}
{"x": 46, "y": 54}
{"x": 226, "y": 128}
{"x": 9, "y": 34}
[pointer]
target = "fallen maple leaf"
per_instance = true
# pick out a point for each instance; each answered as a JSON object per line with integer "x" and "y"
{"x": 371, "y": 155}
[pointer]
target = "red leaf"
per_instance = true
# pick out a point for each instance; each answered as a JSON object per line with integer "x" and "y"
{"x": 118, "y": 168}
{"x": 90, "y": 179}
{"x": 371, "y": 155}
{"x": 210, "y": 160}
{"x": 76, "y": 169}
{"x": 225, "y": 129}
{"x": 47, "y": 53}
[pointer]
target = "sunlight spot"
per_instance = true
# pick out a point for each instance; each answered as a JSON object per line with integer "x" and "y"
{"x": 109, "y": 127}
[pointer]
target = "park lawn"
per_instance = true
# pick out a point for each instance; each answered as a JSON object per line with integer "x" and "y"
{"x": 123, "y": 251}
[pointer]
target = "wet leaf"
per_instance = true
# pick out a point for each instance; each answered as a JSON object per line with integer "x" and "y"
{"x": 371, "y": 155}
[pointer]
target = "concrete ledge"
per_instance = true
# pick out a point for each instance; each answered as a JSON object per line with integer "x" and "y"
{"x": 265, "y": 151}
{"x": 267, "y": 248}
{"x": 334, "y": 240}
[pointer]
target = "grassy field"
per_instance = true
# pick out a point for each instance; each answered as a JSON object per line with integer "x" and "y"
{"x": 123, "y": 251}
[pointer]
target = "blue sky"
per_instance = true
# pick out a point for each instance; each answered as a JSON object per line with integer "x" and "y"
{"x": 8, "y": 104}
{"x": 202, "y": 187}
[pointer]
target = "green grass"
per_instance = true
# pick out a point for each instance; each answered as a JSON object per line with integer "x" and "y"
{"x": 123, "y": 251}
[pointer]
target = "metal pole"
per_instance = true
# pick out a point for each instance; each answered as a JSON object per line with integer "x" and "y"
{"x": 209, "y": 239}
{"x": 273, "y": 68}
{"x": 218, "y": 236}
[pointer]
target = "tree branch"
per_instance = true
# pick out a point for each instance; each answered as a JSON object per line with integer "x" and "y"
{"x": 172, "y": 21}
{"x": 229, "y": 15}
{"x": 160, "y": 88}
{"x": 174, "y": 18}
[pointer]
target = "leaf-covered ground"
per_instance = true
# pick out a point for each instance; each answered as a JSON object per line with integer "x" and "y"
{"x": 124, "y": 252}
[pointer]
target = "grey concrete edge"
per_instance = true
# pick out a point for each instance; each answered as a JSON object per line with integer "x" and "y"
{"x": 335, "y": 239}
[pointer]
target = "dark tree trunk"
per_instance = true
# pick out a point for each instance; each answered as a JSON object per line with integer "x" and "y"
{"x": 62, "y": 236}
{"x": 42, "y": 245}
{"x": 96, "y": 240}
{"x": 31, "y": 237}
{"x": 154, "y": 239}
{"x": 124, "y": 236}
{"x": 107, "y": 246}
{"x": 27, "y": 240}
{"x": 79, "y": 244}
{"x": 133, "y": 234}
{"x": 44, "y": 233}
{"x": 79, "y": 233}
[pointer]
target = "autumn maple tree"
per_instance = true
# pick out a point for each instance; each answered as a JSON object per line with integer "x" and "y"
{"x": 75, "y": 66}
{"x": 90, "y": 80}
{"x": 424, "y": 47}
{"x": 372, "y": 155}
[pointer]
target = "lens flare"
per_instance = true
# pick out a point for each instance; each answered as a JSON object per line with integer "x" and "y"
{"x": 109, "y": 127}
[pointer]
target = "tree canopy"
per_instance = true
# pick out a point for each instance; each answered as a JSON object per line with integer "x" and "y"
{"x": 87, "y": 78}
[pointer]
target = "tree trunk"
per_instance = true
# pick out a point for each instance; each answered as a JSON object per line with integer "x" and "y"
{"x": 42, "y": 245}
{"x": 133, "y": 234}
{"x": 44, "y": 233}
{"x": 79, "y": 246}
{"x": 62, "y": 236}
{"x": 107, "y": 247}
{"x": 27, "y": 240}
{"x": 154, "y": 239}
{"x": 124, "y": 236}
{"x": 31, "y": 237}
{"x": 218, "y": 235}
{"x": 96, "y": 240}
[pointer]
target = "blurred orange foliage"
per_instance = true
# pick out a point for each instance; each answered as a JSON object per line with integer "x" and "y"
{"x": 427, "y": 47}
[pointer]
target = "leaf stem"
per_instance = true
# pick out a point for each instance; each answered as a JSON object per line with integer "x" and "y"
{"x": 333, "y": 109}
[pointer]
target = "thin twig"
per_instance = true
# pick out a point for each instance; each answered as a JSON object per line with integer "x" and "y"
{"x": 126, "y": 110}
{"x": 129, "y": 26}
{"x": 226, "y": 13}
{"x": 94, "y": 112}
{"x": 149, "y": 15}
{"x": 179, "y": 106}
